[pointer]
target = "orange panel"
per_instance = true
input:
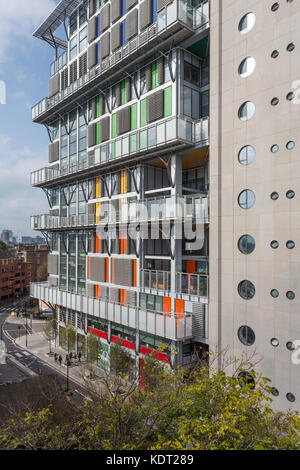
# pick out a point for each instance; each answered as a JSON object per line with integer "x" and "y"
{"x": 96, "y": 292}
{"x": 179, "y": 306}
{"x": 97, "y": 244}
{"x": 106, "y": 269}
{"x": 122, "y": 296}
{"x": 88, "y": 268}
{"x": 166, "y": 304}
{"x": 191, "y": 267}
{"x": 134, "y": 273}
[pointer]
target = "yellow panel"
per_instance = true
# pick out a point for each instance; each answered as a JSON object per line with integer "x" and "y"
{"x": 97, "y": 187}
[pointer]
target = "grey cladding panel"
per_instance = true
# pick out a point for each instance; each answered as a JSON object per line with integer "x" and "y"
{"x": 128, "y": 89}
{"x": 145, "y": 14}
{"x": 105, "y": 18}
{"x": 132, "y": 24}
{"x": 130, "y": 298}
{"x": 53, "y": 281}
{"x": 162, "y": 4}
{"x": 161, "y": 71}
{"x": 91, "y": 135}
{"x": 115, "y": 37}
{"x": 90, "y": 290}
{"x": 105, "y": 128}
{"x": 97, "y": 269}
{"x": 115, "y": 10}
{"x": 155, "y": 106}
{"x": 130, "y": 3}
{"x": 92, "y": 7}
{"x": 122, "y": 272}
{"x": 91, "y": 56}
{"x": 123, "y": 120}
{"x": 105, "y": 49}
{"x": 54, "y": 152}
{"x": 54, "y": 85}
{"x": 52, "y": 264}
{"x": 198, "y": 319}
{"x": 92, "y": 29}
{"x": 148, "y": 76}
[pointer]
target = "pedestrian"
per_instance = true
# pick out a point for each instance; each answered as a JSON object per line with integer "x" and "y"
{"x": 79, "y": 356}
{"x": 70, "y": 356}
{"x": 67, "y": 358}
{"x": 59, "y": 360}
{"x": 55, "y": 357}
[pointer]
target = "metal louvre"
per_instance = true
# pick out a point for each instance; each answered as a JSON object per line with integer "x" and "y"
{"x": 122, "y": 272}
{"x": 92, "y": 30}
{"x": 64, "y": 78}
{"x": 83, "y": 64}
{"x": 162, "y": 4}
{"x": 116, "y": 37}
{"x": 73, "y": 72}
{"x": 132, "y": 24}
{"x": 105, "y": 18}
{"x": 145, "y": 14}
{"x": 105, "y": 43}
{"x": 91, "y": 55}
{"x": 54, "y": 85}
{"x": 115, "y": 10}
{"x": 90, "y": 290}
{"x": 128, "y": 89}
{"x": 123, "y": 120}
{"x": 155, "y": 107}
{"x": 198, "y": 319}
{"x": 130, "y": 4}
{"x": 130, "y": 298}
{"x": 97, "y": 269}
{"x": 161, "y": 71}
{"x": 148, "y": 75}
{"x": 53, "y": 151}
{"x": 52, "y": 264}
{"x": 91, "y": 134}
{"x": 105, "y": 129}
{"x": 114, "y": 294}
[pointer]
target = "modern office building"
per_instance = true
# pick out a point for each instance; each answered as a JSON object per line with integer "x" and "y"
{"x": 162, "y": 105}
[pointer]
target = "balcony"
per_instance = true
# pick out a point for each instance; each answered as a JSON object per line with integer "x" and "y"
{"x": 186, "y": 284}
{"x": 156, "y": 280}
{"x": 178, "y": 18}
{"x": 55, "y": 222}
{"x": 167, "y": 326}
{"x": 170, "y": 133}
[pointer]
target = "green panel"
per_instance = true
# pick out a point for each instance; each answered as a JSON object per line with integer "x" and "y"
{"x": 97, "y": 106}
{"x": 168, "y": 101}
{"x": 154, "y": 74}
{"x": 143, "y": 112}
{"x": 133, "y": 117}
{"x": 123, "y": 92}
{"x": 199, "y": 48}
{"x": 97, "y": 134}
{"x": 114, "y": 126}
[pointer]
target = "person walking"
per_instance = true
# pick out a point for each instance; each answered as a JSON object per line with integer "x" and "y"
{"x": 79, "y": 356}
{"x": 70, "y": 356}
{"x": 59, "y": 360}
{"x": 55, "y": 357}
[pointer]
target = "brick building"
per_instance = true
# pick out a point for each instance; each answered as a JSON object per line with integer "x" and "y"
{"x": 34, "y": 254}
{"x": 15, "y": 277}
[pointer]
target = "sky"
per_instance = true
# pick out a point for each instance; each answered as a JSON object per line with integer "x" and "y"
{"x": 25, "y": 70}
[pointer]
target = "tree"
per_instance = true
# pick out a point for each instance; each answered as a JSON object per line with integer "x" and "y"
{"x": 50, "y": 331}
{"x": 42, "y": 273}
{"x": 70, "y": 337}
{"x": 3, "y": 247}
{"x": 90, "y": 350}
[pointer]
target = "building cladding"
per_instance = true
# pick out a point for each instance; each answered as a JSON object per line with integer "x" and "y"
{"x": 155, "y": 103}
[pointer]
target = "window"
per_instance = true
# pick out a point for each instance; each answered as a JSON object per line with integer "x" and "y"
{"x": 82, "y": 13}
{"x": 246, "y": 111}
{"x": 275, "y": 6}
{"x": 246, "y": 335}
{"x": 274, "y": 101}
{"x": 191, "y": 74}
{"x": 246, "y": 199}
{"x": 247, "y": 23}
{"x": 290, "y": 145}
{"x": 274, "y": 148}
{"x": 83, "y": 39}
{"x": 275, "y": 54}
{"x": 245, "y": 378}
{"x": 275, "y": 392}
{"x": 247, "y": 67}
{"x": 73, "y": 23}
{"x": 274, "y": 244}
{"x": 246, "y": 244}
{"x": 274, "y": 196}
{"x": 73, "y": 48}
{"x": 290, "y": 397}
{"x": 246, "y": 155}
{"x": 290, "y": 194}
{"x": 290, "y": 346}
{"x": 290, "y": 47}
{"x": 290, "y": 295}
{"x": 290, "y": 96}
{"x": 274, "y": 293}
{"x": 275, "y": 342}
{"x": 290, "y": 244}
{"x": 246, "y": 290}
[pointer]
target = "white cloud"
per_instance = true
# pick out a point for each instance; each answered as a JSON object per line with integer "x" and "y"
{"x": 18, "y": 19}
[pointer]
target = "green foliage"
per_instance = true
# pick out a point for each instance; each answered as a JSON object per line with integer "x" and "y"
{"x": 67, "y": 337}
{"x": 3, "y": 247}
{"x": 119, "y": 360}
{"x": 170, "y": 412}
{"x": 91, "y": 348}
{"x": 42, "y": 273}
{"x": 50, "y": 330}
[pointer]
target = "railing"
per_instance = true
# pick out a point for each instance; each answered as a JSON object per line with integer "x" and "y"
{"x": 59, "y": 63}
{"x": 157, "y": 280}
{"x": 140, "y": 141}
{"x": 179, "y": 10}
{"x": 192, "y": 284}
{"x": 48, "y": 222}
{"x": 170, "y": 325}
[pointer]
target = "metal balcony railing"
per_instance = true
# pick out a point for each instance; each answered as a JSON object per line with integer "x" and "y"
{"x": 179, "y": 11}
{"x": 157, "y": 280}
{"x": 177, "y": 130}
{"x": 170, "y": 325}
{"x": 192, "y": 284}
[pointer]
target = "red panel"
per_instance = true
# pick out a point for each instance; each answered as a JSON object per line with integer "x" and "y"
{"x": 166, "y": 304}
{"x": 122, "y": 342}
{"x": 95, "y": 332}
{"x": 158, "y": 355}
{"x": 191, "y": 267}
{"x": 179, "y": 306}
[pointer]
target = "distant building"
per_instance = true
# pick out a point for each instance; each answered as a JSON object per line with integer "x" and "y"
{"x": 6, "y": 236}
{"x": 35, "y": 254}
{"x": 15, "y": 276}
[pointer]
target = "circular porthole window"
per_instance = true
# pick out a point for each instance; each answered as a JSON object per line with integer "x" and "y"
{"x": 247, "y": 67}
{"x": 274, "y": 101}
{"x": 247, "y": 23}
{"x": 246, "y": 199}
{"x": 290, "y": 244}
{"x": 274, "y": 244}
{"x": 275, "y": 54}
{"x": 275, "y": 392}
{"x": 246, "y": 290}
{"x": 274, "y": 148}
{"x": 290, "y": 346}
{"x": 246, "y": 155}
{"x": 290, "y": 145}
{"x": 290, "y": 96}
{"x": 246, "y": 335}
{"x": 246, "y": 244}
{"x": 290, "y": 47}
{"x": 274, "y": 196}
{"x": 274, "y": 293}
{"x": 275, "y": 342}
{"x": 291, "y": 397}
{"x": 275, "y": 6}
{"x": 290, "y": 194}
{"x": 290, "y": 295}
{"x": 246, "y": 111}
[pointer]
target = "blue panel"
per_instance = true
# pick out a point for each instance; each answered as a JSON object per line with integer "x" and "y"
{"x": 123, "y": 32}
{"x": 154, "y": 10}
{"x": 123, "y": 7}
{"x": 98, "y": 55}
{"x": 98, "y": 26}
